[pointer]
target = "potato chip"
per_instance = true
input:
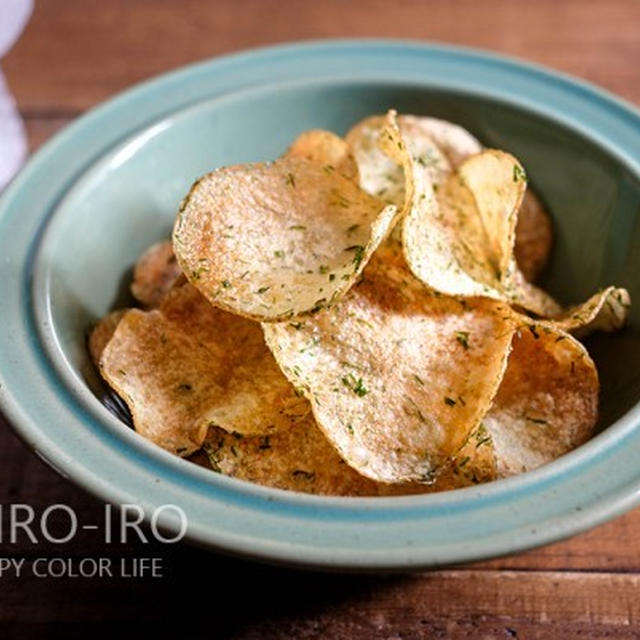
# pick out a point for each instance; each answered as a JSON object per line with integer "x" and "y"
{"x": 547, "y": 402}
{"x": 378, "y": 174}
{"x": 276, "y": 240}
{"x": 534, "y": 233}
{"x": 381, "y": 175}
{"x": 475, "y": 462}
{"x": 326, "y": 149}
{"x": 607, "y": 310}
{"x": 386, "y": 363}
{"x": 162, "y": 401}
{"x": 154, "y": 274}
{"x": 529, "y": 297}
{"x": 459, "y": 240}
{"x": 534, "y": 237}
{"x": 299, "y": 459}
{"x": 454, "y": 141}
{"x": 397, "y": 376}
{"x": 188, "y": 365}
{"x": 302, "y": 459}
{"x": 102, "y": 333}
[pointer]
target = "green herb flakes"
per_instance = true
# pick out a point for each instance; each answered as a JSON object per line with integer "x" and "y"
{"x": 355, "y": 384}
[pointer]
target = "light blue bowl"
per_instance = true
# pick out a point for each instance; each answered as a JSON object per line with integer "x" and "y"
{"x": 74, "y": 221}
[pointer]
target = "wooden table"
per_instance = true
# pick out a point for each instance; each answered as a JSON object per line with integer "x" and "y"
{"x": 74, "y": 54}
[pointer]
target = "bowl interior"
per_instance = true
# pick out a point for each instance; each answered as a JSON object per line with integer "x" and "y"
{"x": 127, "y": 199}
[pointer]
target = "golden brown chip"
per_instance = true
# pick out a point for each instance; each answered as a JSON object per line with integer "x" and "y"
{"x": 607, "y": 310}
{"x": 298, "y": 459}
{"x": 497, "y": 182}
{"x": 379, "y": 175}
{"x": 382, "y": 176}
{"x": 547, "y": 402}
{"x": 454, "y": 141}
{"x": 435, "y": 252}
{"x": 459, "y": 240}
{"x": 534, "y": 233}
{"x": 397, "y": 376}
{"x": 145, "y": 364}
{"x": 326, "y": 149}
{"x": 302, "y": 459}
{"x": 473, "y": 464}
{"x": 534, "y": 237}
{"x": 154, "y": 274}
{"x": 529, "y": 297}
{"x": 102, "y": 333}
{"x": 188, "y": 365}
{"x": 400, "y": 366}
{"x": 276, "y": 240}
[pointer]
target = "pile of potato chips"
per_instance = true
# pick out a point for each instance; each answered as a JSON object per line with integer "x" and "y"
{"x": 357, "y": 318}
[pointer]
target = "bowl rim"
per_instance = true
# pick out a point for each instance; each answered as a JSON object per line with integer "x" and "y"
{"x": 160, "y": 468}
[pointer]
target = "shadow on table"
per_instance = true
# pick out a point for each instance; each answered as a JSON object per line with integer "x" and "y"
{"x": 199, "y": 594}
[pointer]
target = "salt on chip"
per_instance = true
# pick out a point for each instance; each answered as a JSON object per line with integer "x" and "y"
{"x": 187, "y": 365}
{"x": 459, "y": 240}
{"x": 397, "y": 376}
{"x": 547, "y": 403}
{"x": 276, "y": 240}
{"x": 326, "y": 149}
{"x": 155, "y": 273}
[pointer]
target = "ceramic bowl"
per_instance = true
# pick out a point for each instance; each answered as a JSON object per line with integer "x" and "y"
{"x": 86, "y": 205}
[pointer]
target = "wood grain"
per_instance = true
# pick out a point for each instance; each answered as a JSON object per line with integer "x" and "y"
{"x": 78, "y": 52}
{"x": 40, "y": 129}
{"x": 94, "y": 48}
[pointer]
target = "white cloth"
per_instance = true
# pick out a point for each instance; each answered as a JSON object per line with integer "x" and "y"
{"x": 14, "y": 15}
